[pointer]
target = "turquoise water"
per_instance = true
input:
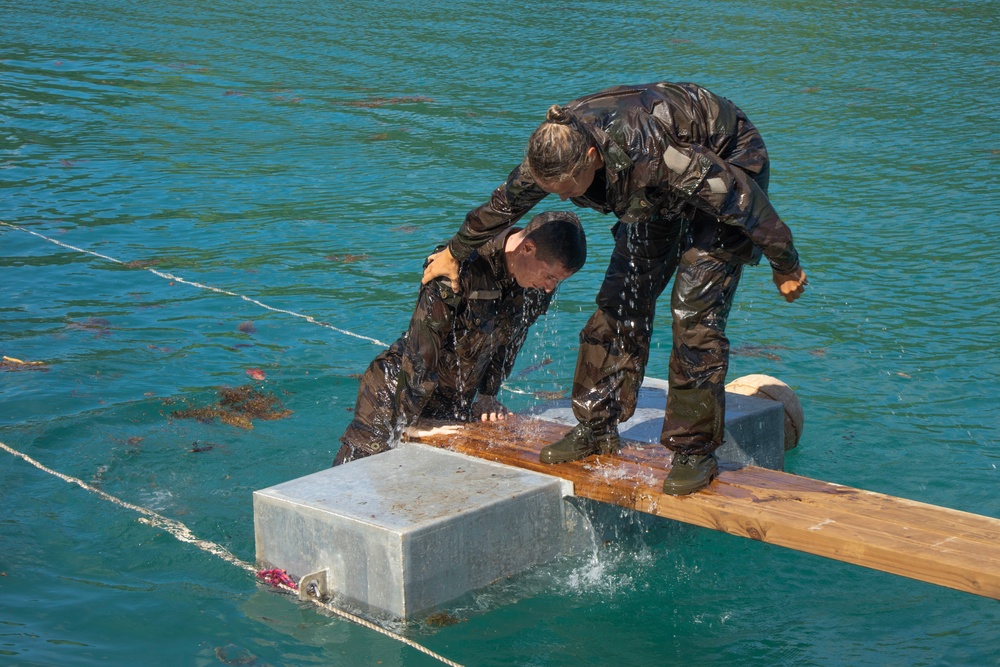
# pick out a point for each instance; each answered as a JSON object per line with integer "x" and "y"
{"x": 309, "y": 155}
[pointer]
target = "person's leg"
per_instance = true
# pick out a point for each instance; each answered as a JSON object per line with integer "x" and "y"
{"x": 377, "y": 420}
{"x": 694, "y": 423}
{"x": 614, "y": 344}
{"x": 706, "y": 282}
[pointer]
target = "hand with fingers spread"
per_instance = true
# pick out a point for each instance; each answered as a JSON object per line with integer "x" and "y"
{"x": 439, "y": 264}
{"x": 488, "y": 409}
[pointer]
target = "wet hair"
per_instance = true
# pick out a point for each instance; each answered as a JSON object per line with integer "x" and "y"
{"x": 557, "y": 149}
{"x": 558, "y": 237}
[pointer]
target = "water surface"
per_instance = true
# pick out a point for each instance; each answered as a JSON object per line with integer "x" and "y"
{"x": 310, "y": 154}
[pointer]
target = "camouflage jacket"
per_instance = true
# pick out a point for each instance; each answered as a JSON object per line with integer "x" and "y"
{"x": 461, "y": 344}
{"x": 669, "y": 150}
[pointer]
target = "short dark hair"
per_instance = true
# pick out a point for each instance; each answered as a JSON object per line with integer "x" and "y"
{"x": 559, "y": 237}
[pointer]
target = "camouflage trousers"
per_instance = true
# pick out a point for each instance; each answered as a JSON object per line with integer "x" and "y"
{"x": 705, "y": 259}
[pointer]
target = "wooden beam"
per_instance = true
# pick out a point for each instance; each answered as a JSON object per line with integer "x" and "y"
{"x": 916, "y": 540}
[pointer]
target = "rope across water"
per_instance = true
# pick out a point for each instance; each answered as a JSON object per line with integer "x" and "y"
{"x": 178, "y": 279}
{"x": 184, "y": 534}
{"x": 176, "y": 528}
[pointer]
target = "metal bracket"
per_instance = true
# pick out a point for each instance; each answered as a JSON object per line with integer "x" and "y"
{"x": 314, "y": 586}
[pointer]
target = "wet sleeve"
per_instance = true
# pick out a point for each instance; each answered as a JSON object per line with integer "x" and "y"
{"x": 505, "y": 355}
{"x": 712, "y": 185}
{"x": 509, "y": 202}
{"x": 432, "y": 322}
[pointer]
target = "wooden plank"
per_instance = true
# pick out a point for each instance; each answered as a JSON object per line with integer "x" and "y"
{"x": 942, "y": 546}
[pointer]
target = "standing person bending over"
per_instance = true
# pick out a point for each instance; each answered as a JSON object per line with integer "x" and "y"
{"x": 685, "y": 173}
{"x": 462, "y": 342}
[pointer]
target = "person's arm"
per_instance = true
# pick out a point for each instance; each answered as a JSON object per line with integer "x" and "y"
{"x": 432, "y": 323}
{"x": 691, "y": 174}
{"x": 509, "y": 202}
{"x": 698, "y": 176}
{"x": 505, "y": 355}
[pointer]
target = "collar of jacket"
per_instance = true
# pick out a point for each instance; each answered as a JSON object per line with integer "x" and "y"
{"x": 616, "y": 160}
{"x": 493, "y": 252}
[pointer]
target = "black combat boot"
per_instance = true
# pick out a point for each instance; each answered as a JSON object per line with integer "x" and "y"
{"x": 690, "y": 473}
{"x": 581, "y": 442}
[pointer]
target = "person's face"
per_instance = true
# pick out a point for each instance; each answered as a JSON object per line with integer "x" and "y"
{"x": 574, "y": 186}
{"x": 532, "y": 273}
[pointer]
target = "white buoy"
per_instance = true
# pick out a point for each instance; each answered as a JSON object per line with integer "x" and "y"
{"x": 765, "y": 386}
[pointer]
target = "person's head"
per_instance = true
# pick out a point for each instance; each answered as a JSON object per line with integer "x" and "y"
{"x": 561, "y": 158}
{"x": 551, "y": 248}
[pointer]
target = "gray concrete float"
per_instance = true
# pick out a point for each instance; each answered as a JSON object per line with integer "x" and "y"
{"x": 409, "y": 530}
{"x": 414, "y": 527}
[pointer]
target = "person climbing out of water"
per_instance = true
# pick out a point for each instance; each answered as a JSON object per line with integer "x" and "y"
{"x": 685, "y": 172}
{"x": 463, "y": 339}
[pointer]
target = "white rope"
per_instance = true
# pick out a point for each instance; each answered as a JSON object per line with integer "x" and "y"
{"x": 184, "y": 534}
{"x": 170, "y": 276}
{"x": 217, "y": 290}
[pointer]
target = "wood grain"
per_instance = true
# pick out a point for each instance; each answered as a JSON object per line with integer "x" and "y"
{"x": 942, "y": 546}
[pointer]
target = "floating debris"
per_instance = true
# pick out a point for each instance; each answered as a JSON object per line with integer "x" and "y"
{"x": 239, "y": 421}
{"x": 231, "y": 654}
{"x": 256, "y": 373}
{"x": 253, "y": 402}
{"x": 442, "y": 619}
{"x": 99, "y": 325}
{"x": 534, "y": 367}
{"x": 374, "y": 102}
{"x": 346, "y": 259}
{"x": 141, "y": 263}
{"x": 13, "y": 364}
{"x": 237, "y": 406}
{"x": 550, "y": 395}
{"x": 752, "y": 350}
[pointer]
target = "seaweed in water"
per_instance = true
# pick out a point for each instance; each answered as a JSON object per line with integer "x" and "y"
{"x": 441, "y": 619}
{"x": 346, "y": 259}
{"x": 754, "y": 350}
{"x": 252, "y": 402}
{"x": 375, "y": 102}
{"x": 141, "y": 263}
{"x": 238, "y": 406}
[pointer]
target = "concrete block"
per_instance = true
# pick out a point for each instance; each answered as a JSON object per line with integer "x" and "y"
{"x": 755, "y": 432}
{"x": 412, "y": 528}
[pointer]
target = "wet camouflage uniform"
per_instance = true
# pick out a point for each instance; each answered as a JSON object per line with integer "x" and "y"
{"x": 456, "y": 346}
{"x": 686, "y": 174}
